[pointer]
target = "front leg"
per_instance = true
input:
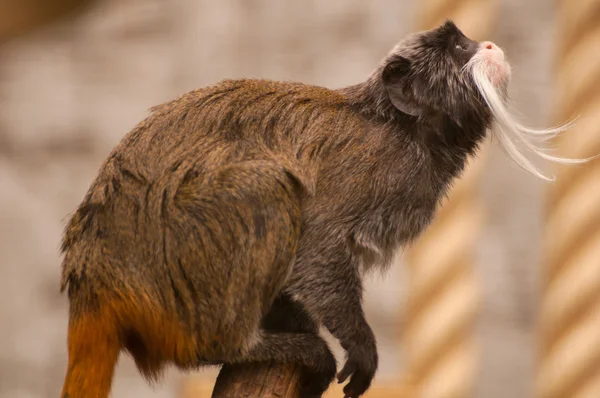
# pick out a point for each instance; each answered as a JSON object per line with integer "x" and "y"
{"x": 330, "y": 288}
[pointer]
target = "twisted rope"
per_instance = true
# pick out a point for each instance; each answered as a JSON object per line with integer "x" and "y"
{"x": 569, "y": 363}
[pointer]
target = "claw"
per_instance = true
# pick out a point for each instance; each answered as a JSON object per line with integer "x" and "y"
{"x": 348, "y": 393}
{"x": 346, "y": 371}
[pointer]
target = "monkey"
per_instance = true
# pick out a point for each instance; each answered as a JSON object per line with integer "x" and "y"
{"x": 235, "y": 220}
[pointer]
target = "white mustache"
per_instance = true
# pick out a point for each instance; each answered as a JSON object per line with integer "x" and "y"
{"x": 509, "y": 131}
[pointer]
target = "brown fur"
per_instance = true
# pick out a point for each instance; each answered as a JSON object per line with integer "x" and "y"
{"x": 234, "y": 220}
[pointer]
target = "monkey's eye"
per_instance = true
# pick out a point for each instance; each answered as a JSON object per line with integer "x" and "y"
{"x": 461, "y": 48}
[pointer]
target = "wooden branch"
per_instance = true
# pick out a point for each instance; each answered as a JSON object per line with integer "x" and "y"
{"x": 267, "y": 380}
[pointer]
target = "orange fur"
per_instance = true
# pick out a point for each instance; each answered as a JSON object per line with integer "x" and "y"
{"x": 153, "y": 337}
{"x": 96, "y": 337}
{"x": 93, "y": 352}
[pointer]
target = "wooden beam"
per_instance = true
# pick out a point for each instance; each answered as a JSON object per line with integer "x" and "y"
{"x": 257, "y": 380}
{"x": 268, "y": 381}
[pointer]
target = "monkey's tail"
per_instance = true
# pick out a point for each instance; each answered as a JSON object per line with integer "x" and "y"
{"x": 94, "y": 347}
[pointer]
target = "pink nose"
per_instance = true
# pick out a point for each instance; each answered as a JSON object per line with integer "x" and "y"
{"x": 489, "y": 46}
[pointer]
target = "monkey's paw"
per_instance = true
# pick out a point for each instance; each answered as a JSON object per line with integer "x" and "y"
{"x": 361, "y": 363}
{"x": 316, "y": 380}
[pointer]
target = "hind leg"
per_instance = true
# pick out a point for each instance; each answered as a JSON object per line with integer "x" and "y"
{"x": 290, "y": 336}
{"x": 289, "y": 316}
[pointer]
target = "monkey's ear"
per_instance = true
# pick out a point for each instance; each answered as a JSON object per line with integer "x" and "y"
{"x": 395, "y": 80}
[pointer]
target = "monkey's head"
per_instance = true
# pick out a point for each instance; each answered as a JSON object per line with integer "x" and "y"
{"x": 441, "y": 71}
{"x": 432, "y": 71}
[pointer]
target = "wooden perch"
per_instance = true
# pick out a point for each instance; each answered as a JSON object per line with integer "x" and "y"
{"x": 276, "y": 381}
{"x": 267, "y": 380}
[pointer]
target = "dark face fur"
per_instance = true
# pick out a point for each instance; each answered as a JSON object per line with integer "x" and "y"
{"x": 442, "y": 74}
{"x": 426, "y": 74}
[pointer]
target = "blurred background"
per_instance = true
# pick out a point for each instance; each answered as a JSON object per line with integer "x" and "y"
{"x": 76, "y": 75}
